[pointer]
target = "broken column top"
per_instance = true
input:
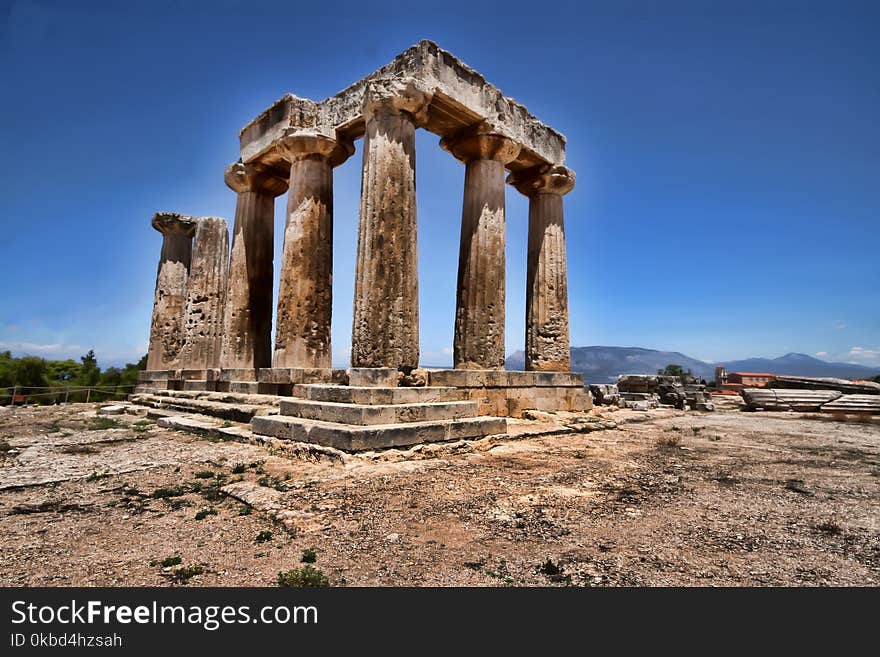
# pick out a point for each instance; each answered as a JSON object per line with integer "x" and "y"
{"x": 452, "y": 97}
{"x": 174, "y": 223}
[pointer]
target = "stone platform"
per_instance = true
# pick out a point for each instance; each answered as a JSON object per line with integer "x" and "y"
{"x": 380, "y": 418}
{"x": 509, "y": 393}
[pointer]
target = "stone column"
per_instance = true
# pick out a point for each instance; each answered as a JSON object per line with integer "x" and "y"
{"x": 166, "y": 330}
{"x": 247, "y": 323}
{"x": 305, "y": 294}
{"x": 547, "y": 336}
{"x": 479, "y": 309}
{"x": 385, "y": 328}
{"x": 206, "y": 289}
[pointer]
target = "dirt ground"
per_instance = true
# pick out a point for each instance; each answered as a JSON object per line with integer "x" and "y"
{"x": 664, "y": 498}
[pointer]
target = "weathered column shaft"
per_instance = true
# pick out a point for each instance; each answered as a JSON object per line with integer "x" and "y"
{"x": 385, "y": 328}
{"x": 166, "y": 329}
{"x": 206, "y": 290}
{"x": 247, "y": 324}
{"x": 547, "y": 338}
{"x": 305, "y": 294}
{"x": 547, "y": 333}
{"x": 480, "y": 296}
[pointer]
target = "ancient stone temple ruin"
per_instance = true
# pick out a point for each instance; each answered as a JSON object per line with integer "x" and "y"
{"x": 212, "y": 319}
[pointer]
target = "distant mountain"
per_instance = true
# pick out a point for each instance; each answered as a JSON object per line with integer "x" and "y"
{"x": 801, "y": 365}
{"x": 605, "y": 364}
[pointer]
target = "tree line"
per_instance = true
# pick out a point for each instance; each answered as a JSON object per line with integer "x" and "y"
{"x": 43, "y": 381}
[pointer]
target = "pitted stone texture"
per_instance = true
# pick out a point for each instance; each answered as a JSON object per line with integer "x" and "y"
{"x": 280, "y": 381}
{"x": 166, "y": 329}
{"x": 457, "y": 95}
{"x": 385, "y": 327}
{"x": 305, "y": 293}
{"x": 247, "y": 324}
{"x": 206, "y": 290}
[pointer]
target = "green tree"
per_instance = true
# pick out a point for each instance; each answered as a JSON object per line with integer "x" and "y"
{"x": 677, "y": 371}
{"x": 90, "y": 373}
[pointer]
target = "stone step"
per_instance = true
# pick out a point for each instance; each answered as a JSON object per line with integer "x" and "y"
{"x": 222, "y": 410}
{"x": 224, "y": 397}
{"x": 364, "y": 414}
{"x": 372, "y": 395}
{"x": 354, "y": 438}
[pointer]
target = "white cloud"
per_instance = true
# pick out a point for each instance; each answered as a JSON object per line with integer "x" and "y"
{"x": 864, "y": 356}
{"x": 839, "y": 325}
{"x": 821, "y": 354}
{"x": 28, "y": 348}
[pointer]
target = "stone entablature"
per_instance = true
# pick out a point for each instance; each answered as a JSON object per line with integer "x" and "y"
{"x": 455, "y": 97}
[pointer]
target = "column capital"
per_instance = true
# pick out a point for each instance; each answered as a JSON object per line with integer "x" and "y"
{"x": 397, "y": 95}
{"x": 481, "y": 142}
{"x": 174, "y": 223}
{"x": 301, "y": 144}
{"x": 252, "y": 178}
{"x": 547, "y": 179}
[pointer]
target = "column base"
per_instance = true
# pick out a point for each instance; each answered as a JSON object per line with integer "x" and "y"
{"x": 280, "y": 380}
{"x": 373, "y": 377}
{"x": 510, "y": 393}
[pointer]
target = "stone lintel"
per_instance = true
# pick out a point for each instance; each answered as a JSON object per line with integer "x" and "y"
{"x": 456, "y": 97}
{"x": 238, "y": 374}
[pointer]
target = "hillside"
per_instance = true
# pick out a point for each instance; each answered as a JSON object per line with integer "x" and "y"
{"x": 604, "y": 364}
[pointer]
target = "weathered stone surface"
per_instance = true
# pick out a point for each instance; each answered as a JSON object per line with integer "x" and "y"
{"x": 166, "y": 329}
{"x": 353, "y": 438}
{"x": 247, "y": 324}
{"x": 206, "y": 290}
{"x": 457, "y": 97}
{"x": 367, "y": 414}
{"x": 479, "y": 312}
{"x": 375, "y": 395}
{"x": 503, "y": 378}
{"x": 605, "y": 394}
{"x": 302, "y": 329}
{"x": 547, "y": 332}
{"x": 373, "y": 376}
{"x": 385, "y": 327}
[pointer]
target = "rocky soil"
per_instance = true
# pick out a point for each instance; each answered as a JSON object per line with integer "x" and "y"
{"x": 657, "y": 498}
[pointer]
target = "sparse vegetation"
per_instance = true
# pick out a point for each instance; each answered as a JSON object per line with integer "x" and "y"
{"x": 173, "y": 491}
{"x": 669, "y": 440}
{"x": 167, "y": 562}
{"x": 204, "y": 474}
{"x": 264, "y": 536}
{"x": 100, "y": 423}
{"x": 305, "y": 577}
{"x": 309, "y": 555}
{"x": 239, "y": 468}
{"x": 204, "y": 513}
{"x": 185, "y": 573}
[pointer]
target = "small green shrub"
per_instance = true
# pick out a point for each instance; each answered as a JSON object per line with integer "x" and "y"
{"x": 204, "y": 474}
{"x": 167, "y": 562}
{"x": 204, "y": 513}
{"x": 183, "y": 574}
{"x": 305, "y": 577}
{"x": 264, "y": 536}
{"x": 309, "y": 555}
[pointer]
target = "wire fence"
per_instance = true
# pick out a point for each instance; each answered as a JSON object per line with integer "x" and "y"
{"x": 24, "y": 395}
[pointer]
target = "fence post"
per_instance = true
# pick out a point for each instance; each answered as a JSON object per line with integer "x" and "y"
{"x": 88, "y": 394}
{"x": 66, "y": 392}
{"x": 14, "y": 393}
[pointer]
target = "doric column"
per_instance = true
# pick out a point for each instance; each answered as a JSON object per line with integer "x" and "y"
{"x": 206, "y": 289}
{"x": 479, "y": 309}
{"x": 305, "y": 293}
{"x": 166, "y": 330}
{"x": 247, "y": 323}
{"x": 385, "y": 328}
{"x": 547, "y": 336}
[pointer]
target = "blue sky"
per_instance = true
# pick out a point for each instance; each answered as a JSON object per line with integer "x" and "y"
{"x": 728, "y": 161}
